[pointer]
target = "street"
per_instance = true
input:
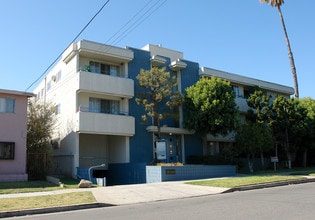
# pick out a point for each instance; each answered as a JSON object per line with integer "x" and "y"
{"x": 286, "y": 202}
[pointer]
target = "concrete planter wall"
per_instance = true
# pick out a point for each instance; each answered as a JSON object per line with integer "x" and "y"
{"x": 187, "y": 172}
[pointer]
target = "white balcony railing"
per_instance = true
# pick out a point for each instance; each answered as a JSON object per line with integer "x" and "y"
{"x": 100, "y": 83}
{"x": 100, "y": 123}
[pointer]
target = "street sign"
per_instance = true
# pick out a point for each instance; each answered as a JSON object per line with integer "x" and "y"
{"x": 274, "y": 159}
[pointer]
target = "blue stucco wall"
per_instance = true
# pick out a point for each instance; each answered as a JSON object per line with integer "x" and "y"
{"x": 141, "y": 150}
{"x": 187, "y": 172}
{"x": 193, "y": 146}
{"x": 189, "y": 76}
{"x": 126, "y": 173}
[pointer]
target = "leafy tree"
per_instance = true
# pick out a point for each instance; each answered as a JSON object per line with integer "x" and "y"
{"x": 40, "y": 122}
{"x": 260, "y": 112}
{"x": 159, "y": 91}
{"x": 260, "y": 103}
{"x": 210, "y": 107}
{"x": 253, "y": 138}
{"x": 309, "y": 139}
{"x": 289, "y": 124}
{"x": 278, "y": 4}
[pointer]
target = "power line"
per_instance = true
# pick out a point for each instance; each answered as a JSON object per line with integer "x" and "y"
{"x": 140, "y": 20}
{"x": 133, "y": 17}
{"x": 122, "y": 35}
{"x": 137, "y": 22}
{"x": 68, "y": 45}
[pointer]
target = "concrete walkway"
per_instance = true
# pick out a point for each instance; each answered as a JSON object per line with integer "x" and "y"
{"x": 135, "y": 193}
{"x": 139, "y": 193}
{"x": 119, "y": 195}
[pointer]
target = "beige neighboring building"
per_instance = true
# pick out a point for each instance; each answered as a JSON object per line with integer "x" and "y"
{"x": 13, "y": 130}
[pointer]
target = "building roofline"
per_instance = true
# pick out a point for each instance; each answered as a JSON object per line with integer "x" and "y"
{"x": 15, "y": 92}
{"x": 244, "y": 80}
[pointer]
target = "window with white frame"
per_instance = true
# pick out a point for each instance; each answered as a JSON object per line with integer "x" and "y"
{"x": 104, "y": 106}
{"x": 7, "y": 105}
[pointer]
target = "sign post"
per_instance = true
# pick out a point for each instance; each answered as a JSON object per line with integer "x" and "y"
{"x": 274, "y": 160}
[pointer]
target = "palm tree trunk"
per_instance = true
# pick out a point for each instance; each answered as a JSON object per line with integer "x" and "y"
{"x": 296, "y": 87}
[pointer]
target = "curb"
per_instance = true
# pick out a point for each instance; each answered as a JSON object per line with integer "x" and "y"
{"x": 7, "y": 214}
{"x": 268, "y": 185}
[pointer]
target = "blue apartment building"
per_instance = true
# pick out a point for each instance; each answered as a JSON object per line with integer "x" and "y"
{"x": 94, "y": 87}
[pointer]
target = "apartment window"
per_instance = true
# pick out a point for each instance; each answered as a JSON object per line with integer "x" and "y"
{"x": 236, "y": 91}
{"x": 7, "y": 105}
{"x": 212, "y": 148}
{"x": 7, "y": 150}
{"x": 48, "y": 85}
{"x": 104, "y": 106}
{"x": 42, "y": 92}
{"x": 105, "y": 69}
{"x": 58, "y": 76}
{"x": 246, "y": 93}
{"x": 57, "y": 109}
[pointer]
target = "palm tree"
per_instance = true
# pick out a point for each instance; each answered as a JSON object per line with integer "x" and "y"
{"x": 278, "y": 3}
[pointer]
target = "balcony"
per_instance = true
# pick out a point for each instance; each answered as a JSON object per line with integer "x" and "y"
{"x": 101, "y": 123}
{"x": 100, "y": 83}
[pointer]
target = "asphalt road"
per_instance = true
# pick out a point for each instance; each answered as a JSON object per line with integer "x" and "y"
{"x": 284, "y": 202}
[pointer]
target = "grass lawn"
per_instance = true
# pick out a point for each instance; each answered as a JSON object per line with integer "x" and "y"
{"x": 35, "y": 186}
{"x": 24, "y": 203}
{"x": 243, "y": 181}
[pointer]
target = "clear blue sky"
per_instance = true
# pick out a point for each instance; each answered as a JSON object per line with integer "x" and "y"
{"x": 242, "y": 37}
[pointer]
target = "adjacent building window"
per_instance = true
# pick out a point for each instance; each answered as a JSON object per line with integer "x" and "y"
{"x": 7, "y": 150}
{"x": 104, "y": 106}
{"x": 96, "y": 67}
{"x": 7, "y": 105}
{"x": 236, "y": 91}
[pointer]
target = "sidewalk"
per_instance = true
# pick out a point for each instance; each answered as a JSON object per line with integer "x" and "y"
{"x": 138, "y": 193}
{"x": 119, "y": 195}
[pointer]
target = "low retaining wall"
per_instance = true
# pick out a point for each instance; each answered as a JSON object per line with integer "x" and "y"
{"x": 187, "y": 172}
